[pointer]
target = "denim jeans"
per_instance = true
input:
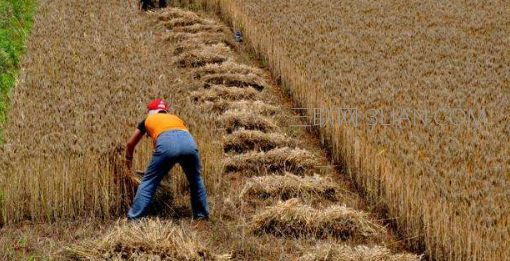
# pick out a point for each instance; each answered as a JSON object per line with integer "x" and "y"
{"x": 172, "y": 147}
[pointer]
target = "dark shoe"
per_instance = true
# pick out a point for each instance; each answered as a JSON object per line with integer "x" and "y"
{"x": 163, "y": 3}
{"x": 201, "y": 218}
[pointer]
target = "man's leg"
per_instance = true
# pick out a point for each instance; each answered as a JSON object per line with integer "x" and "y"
{"x": 191, "y": 165}
{"x": 157, "y": 169}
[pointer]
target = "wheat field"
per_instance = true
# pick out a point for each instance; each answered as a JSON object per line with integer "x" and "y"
{"x": 86, "y": 77}
{"x": 90, "y": 67}
{"x": 445, "y": 186}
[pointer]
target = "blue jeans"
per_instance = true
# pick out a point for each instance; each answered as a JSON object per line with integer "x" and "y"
{"x": 172, "y": 147}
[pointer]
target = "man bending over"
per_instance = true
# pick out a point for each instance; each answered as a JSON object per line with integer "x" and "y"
{"x": 173, "y": 144}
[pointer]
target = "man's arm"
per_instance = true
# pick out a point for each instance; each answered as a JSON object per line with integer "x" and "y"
{"x": 130, "y": 148}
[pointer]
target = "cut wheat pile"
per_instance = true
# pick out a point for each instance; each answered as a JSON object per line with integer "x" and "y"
{"x": 276, "y": 160}
{"x": 257, "y": 107}
{"x": 290, "y": 186}
{"x": 330, "y": 252}
{"x": 208, "y": 54}
{"x": 235, "y": 119}
{"x": 144, "y": 240}
{"x": 226, "y": 67}
{"x": 293, "y": 219}
{"x": 220, "y": 93}
{"x": 254, "y": 140}
{"x": 177, "y": 24}
{"x": 236, "y": 80}
{"x": 169, "y": 14}
{"x": 444, "y": 186}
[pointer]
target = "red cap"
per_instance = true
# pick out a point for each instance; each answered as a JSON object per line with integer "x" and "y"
{"x": 157, "y": 104}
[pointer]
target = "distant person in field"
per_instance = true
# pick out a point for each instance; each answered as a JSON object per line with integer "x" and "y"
{"x": 147, "y": 4}
{"x": 173, "y": 144}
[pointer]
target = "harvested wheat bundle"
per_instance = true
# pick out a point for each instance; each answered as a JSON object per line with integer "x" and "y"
{"x": 233, "y": 120}
{"x": 200, "y": 38}
{"x": 145, "y": 240}
{"x": 249, "y": 140}
{"x": 186, "y": 21}
{"x": 190, "y": 46}
{"x": 290, "y": 186}
{"x": 236, "y": 80}
{"x": 197, "y": 45}
{"x": 204, "y": 37}
{"x": 294, "y": 219}
{"x": 218, "y": 106}
{"x": 226, "y": 67}
{"x": 168, "y": 14}
{"x": 220, "y": 93}
{"x": 198, "y": 28}
{"x": 258, "y": 107}
{"x": 277, "y": 160}
{"x": 206, "y": 54}
{"x": 327, "y": 252}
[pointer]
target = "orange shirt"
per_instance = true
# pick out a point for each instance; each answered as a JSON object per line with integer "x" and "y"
{"x": 158, "y": 123}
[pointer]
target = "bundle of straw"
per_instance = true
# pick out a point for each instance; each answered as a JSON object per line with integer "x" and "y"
{"x": 144, "y": 240}
{"x": 276, "y": 160}
{"x": 294, "y": 219}
{"x": 290, "y": 186}
{"x": 326, "y": 252}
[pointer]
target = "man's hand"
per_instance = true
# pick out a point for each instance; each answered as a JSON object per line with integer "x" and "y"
{"x": 129, "y": 162}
